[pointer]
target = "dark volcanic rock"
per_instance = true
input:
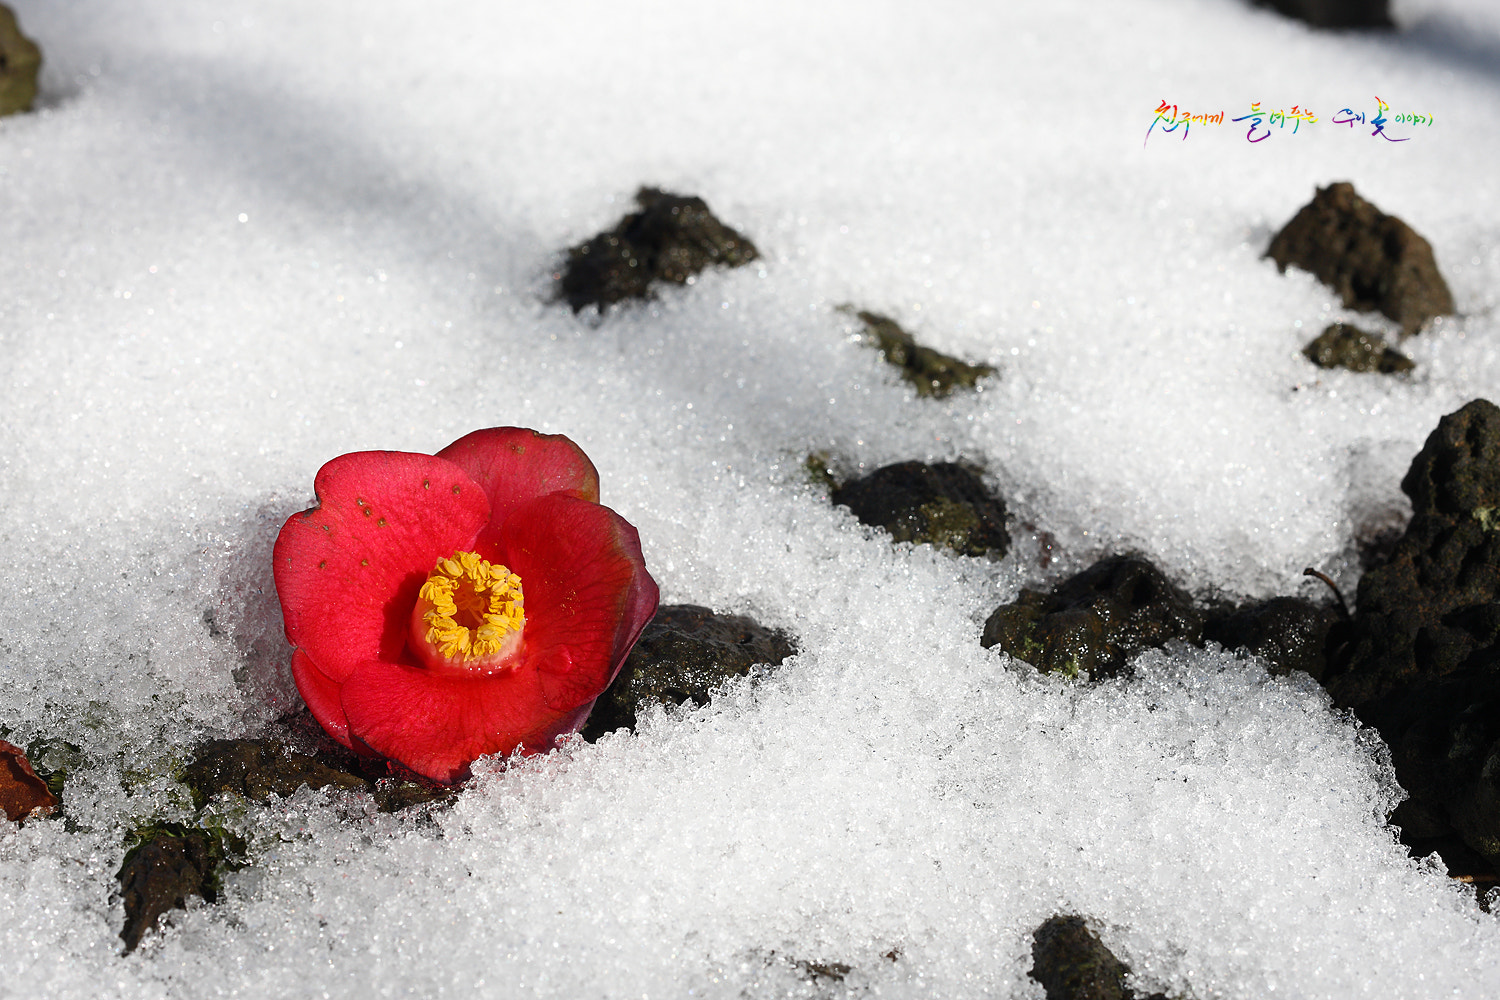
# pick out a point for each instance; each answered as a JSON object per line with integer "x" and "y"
{"x": 944, "y": 505}
{"x": 258, "y": 769}
{"x": 1421, "y": 662}
{"x": 20, "y": 60}
{"x": 1344, "y": 346}
{"x": 1291, "y": 633}
{"x": 1071, "y": 963}
{"x": 1374, "y": 261}
{"x": 169, "y": 863}
{"x": 1097, "y": 620}
{"x": 932, "y": 373}
{"x": 682, "y": 655}
{"x": 671, "y": 239}
{"x": 1335, "y": 13}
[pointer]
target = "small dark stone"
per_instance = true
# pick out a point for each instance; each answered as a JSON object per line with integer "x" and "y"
{"x": 258, "y": 769}
{"x": 169, "y": 863}
{"x": 944, "y": 505}
{"x": 1336, "y": 13}
{"x": 395, "y": 794}
{"x": 20, "y": 60}
{"x": 1097, "y": 620}
{"x": 933, "y": 373}
{"x": 833, "y": 972}
{"x": 1344, "y": 346}
{"x": 1376, "y": 262}
{"x": 682, "y": 655}
{"x": 1420, "y": 660}
{"x": 670, "y": 239}
{"x": 1071, "y": 963}
{"x": 1291, "y": 633}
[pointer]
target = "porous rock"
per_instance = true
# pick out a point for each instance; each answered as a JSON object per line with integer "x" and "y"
{"x": 1421, "y": 658}
{"x": 1375, "y": 262}
{"x": 20, "y": 60}
{"x": 672, "y": 238}
{"x": 1289, "y": 633}
{"x": 682, "y": 655}
{"x": 1095, "y": 621}
{"x": 1336, "y": 13}
{"x": 258, "y": 769}
{"x": 1343, "y": 345}
{"x": 944, "y": 504}
{"x": 931, "y": 372}
{"x": 1071, "y": 963}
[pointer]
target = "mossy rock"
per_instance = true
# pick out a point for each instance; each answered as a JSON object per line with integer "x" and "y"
{"x": 682, "y": 655}
{"x": 945, "y": 505}
{"x": 671, "y": 239}
{"x": 20, "y": 61}
{"x": 1342, "y": 345}
{"x": 1095, "y": 621}
{"x": 1289, "y": 633}
{"x": 931, "y": 372}
{"x": 167, "y": 864}
{"x": 258, "y": 769}
{"x": 1071, "y": 963}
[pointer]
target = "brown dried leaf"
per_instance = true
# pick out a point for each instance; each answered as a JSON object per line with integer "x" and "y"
{"x": 22, "y": 793}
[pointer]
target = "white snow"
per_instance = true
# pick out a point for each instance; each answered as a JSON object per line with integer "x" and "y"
{"x": 242, "y": 238}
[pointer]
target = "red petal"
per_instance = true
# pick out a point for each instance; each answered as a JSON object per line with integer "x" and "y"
{"x": 348, "y": 570}
{"x": 438, "y": 723}
{"x": 587, "y": 593}
{"x": 514, "y": 465}
{"x": 321, "y": 693}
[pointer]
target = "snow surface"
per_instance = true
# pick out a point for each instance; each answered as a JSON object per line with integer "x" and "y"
{"x": 242, "y": 238}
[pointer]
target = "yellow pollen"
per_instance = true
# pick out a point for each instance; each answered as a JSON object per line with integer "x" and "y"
{"x": 472, "y": 606}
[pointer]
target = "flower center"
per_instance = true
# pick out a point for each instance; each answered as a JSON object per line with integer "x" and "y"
{"x": 468, "y": 613}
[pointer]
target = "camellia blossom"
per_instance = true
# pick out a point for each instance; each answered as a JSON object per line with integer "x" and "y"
{"x": 471, "y": 602}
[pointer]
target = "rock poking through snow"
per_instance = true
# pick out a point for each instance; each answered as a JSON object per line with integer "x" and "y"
{"x": 945, "y": 505}
{"x": 1421, "y": 662}
{"x": 1095, "y": 621}
{"x": 671, "y": 239}
{"x": 1376, "y": 262}
{"x": 1343, "y": 345}
{"x": 931, "y": 372}
{"x": 682, "y": 655}
{"x": 1071, "y": 963}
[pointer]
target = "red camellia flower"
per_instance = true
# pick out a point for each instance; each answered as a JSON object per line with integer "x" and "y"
{"x": 454, "y": 605}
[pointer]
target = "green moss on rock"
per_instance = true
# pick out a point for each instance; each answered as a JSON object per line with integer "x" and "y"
{"x": 1095, "y": 621}
{"x": 944, "y": 504}
{"x": 20, "y": 60}
{"x": 1342, "y": 345}
{"x": 671, "y": 239}
{"x": 933, "y": 373}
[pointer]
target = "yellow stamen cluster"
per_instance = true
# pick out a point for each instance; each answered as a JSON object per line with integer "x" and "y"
{"x": 473, "y": 606}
